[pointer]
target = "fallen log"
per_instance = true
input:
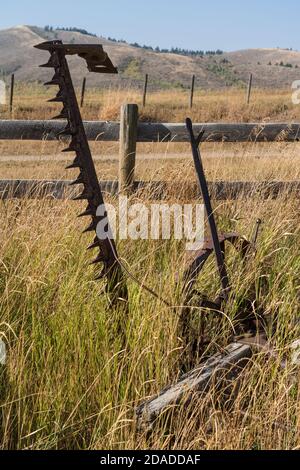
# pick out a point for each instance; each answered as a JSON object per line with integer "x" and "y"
{"x": 227, "y": 364}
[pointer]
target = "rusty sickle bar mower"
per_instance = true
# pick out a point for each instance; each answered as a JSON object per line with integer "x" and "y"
{"x": 200, "y": 371}
{"x": 195, "y": 261}
{"x": 113, "y": 269}
{"x": 97, "y": 61}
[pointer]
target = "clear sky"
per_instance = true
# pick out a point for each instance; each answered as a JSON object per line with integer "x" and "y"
{"x": 193, "y": 24}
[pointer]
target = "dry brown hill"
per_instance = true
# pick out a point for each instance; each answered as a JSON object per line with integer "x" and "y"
{"x": 275, "y": 68}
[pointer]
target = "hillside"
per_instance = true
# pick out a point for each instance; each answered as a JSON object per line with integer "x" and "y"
{"x": 18, "y": 56}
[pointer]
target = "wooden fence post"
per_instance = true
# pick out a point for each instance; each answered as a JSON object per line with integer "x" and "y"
{"x": 192, "y": 92}
{"x": 145, "y": 90}
{"x": 128, "y": 138}
{"x": 82, "y": 92}
{"x": 249, "y": 88}
{"x": 12, "y": 86}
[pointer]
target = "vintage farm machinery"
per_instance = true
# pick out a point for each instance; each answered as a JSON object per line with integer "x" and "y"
{"x": 98, "y": 61}
{"x": 215, "y": 245}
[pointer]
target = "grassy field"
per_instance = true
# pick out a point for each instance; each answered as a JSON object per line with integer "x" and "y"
{"x": 228, "y": 105}
{"x": 72, "y": 379}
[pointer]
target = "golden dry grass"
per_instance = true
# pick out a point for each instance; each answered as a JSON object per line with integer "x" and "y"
{"x": 239, "y": 162}
{"x": 228, "y": 105}
{"x": 70, "y": 381}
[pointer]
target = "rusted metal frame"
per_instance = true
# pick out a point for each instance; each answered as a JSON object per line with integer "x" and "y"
{"x": 96, "y": 58}
{"x": 197, "y": 380}
{"x": 196, "y": 260}
{"x": 195, "y": 143}
{"x": 97, "y": 61}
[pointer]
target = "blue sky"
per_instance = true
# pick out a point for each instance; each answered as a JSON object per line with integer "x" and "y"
{"x": 227, "y": 24}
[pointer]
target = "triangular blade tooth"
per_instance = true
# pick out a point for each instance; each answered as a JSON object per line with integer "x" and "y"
{"x": 72, "y": 166}
{"x": 73, "y": 147}
{"x": 79, "y": 180}
{"x": 86, "y": 213}
{"x": 66, "y": 131}
{"x": 52, "y": 62}
{"x": 76, "y": 164}
{"x": 89, "y": 211}
{"x": 55, "y": 100}
{"x": 93, "y": 245}
{"x": 63, "y": 114}
{"x": 100, "y": 276}
{"x": 91, "y": 227}
{"x": 40, "y": 45}
{"x": 58, "y": 117}
{"x": 48, "y": 45}
{"x": 47, "y": 65}
{"x": 100, "y": 258}
{"x": 59, "y": 98}
{"x": 56, "y": 81}
{"x": 84, "y": 195}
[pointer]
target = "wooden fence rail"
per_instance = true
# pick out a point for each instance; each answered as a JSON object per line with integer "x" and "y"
{"x": 154, "y": 132}
{"x": 220, "y": 190}
{"x": 130, "y": 131}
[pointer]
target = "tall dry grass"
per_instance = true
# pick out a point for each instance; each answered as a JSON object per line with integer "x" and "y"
{"x": 228, "y": 105}
{"x": 70, "y": 380}
{"x": 239, "y": 162}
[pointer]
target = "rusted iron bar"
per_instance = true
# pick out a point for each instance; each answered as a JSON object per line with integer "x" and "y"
{"x": 97, "y": 61}
{"x": 192, "y": 91}
{"x": 82, "y": 92}
{"x": 249, "y": 89}
{"x": 145, "y": 90}
{"x": 195, "y": 144}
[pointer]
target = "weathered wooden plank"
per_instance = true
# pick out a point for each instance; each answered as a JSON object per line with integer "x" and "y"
{"x": 33, "y": 189}
{"x": 245, "y": 132}
{"x": 235, "y": 357}
{"x": 154, "y": 132}
{"x": 38, "y": 189}
{"x": 48, "y": 130}
{"x": 220, "y": 190}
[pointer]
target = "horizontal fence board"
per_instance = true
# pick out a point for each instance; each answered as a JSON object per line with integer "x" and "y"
{"x": 220, "y": 190}
{"x": 217, "y": 132}
{"x": 49, "y": 130}
{"x": 154, "y": 132}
